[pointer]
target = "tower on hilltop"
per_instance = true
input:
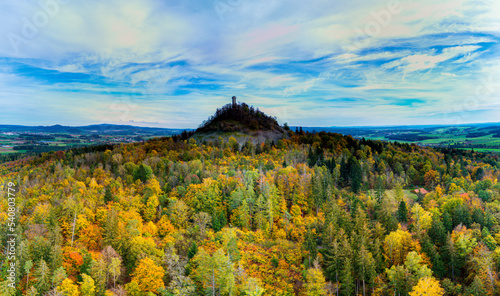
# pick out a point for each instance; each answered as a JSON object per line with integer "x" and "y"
{"x": 234, "y": 101}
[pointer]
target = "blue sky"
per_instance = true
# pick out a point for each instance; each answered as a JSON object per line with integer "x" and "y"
{"x": 309, "y": 63}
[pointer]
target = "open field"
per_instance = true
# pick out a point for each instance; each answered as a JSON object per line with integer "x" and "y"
{"x": 26, "y": 139}
{"x": 480, "y": 137}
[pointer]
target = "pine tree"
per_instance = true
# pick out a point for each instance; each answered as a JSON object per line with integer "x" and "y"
{"x": 6, "y": 290}
{"x": 29, "y": 292}
{"x": 193, "y": 249}
{"x": 402, "y": 213}
{"x": 310, "y": 245}
{"x": 58, "y": 276}
{"x": 111, "y": 231}
{"x": 451, "y": 256}
{"x": 366, "y": 267}
{"x": 476, "y": 288}
{"x": 347, "y": 278}
{"x": 437, "y": 232}
{"x": 333, "y": 261}
{"x": 219, "y": 220}
{"x": 42, "y": 275}
{"x": 356, "y": 175}
{"x": 108, "y": 195}
{"x": 27, "y": 269}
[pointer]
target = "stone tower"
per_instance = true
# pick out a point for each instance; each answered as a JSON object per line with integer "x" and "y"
{"x": 234, "y": 101}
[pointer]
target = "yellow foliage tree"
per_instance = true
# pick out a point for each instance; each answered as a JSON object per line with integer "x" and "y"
{"x": 315, "y": 282}
{"x": 151, "y": 207}
{"x": 87, "y": 286}
{"x": 214, "y": 272}
{"x": 91, "y": 237}
{"x": 148, "y": 275}
{"x": 68, "y": 288}
{"x": 427, "y": 286}
{"x": 421, "y": 218}
{"x": 150, "y": 229}
{"x": 396, "y": 246}
{"x": 431, "y": 177}
{"x": 164, "y": 226}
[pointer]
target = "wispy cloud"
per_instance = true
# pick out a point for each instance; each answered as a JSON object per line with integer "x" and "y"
{"x": 171, "y": 63}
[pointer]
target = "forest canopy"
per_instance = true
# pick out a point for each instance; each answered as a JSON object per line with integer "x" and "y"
{"x": 314, "y": 214}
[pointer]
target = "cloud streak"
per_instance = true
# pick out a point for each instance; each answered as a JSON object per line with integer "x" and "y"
{"x": 168, "y": 63}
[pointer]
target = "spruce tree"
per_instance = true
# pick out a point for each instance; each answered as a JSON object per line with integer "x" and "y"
{"x": 42, "y": 275}
{"x": 402, "y": 213}
{"x": 347, "y": 278}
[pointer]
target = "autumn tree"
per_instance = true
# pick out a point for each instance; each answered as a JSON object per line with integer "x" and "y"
{"x": 148, "y": 275}
{"x": 87, "y": 285}
{"x": 483, "y": 267}
{"x": 397, "y": 245}
{"x": 422, "y": 219}
{"x": 68, "y": 288}
{"x": 214, "y": 273}
{"x": 178, "y": 282}
{"x": 431, "y": 178}
{"x": 427, "y": 286}
{"x": 403, "y": 277}
{"x": 114, "y": 269}
{"x": 315, "y": 282}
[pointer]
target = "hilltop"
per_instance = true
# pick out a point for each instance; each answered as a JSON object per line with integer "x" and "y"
{"x": 241, "y": 121}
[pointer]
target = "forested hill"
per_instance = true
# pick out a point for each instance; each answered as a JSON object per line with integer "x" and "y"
{"x": 314, "y": 214}
{"x": 239, "y": 117}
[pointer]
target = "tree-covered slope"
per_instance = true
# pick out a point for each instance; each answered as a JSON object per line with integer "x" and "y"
{"x": 314, "y": 214}
{"x": 239, "y": 117}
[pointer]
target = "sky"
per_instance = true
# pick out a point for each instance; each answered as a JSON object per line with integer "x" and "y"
{"x": 309, "y": 63}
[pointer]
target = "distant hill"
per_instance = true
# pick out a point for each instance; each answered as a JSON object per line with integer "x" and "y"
{"x": 109, "y": 129}
{"x": 241, "y": 121}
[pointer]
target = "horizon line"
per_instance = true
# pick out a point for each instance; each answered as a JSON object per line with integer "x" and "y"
{"x": 291, "y": 126}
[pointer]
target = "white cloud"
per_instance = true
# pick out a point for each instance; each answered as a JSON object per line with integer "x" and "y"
{"x": 425, "y": 61}
{"x": 264, "y": 49}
